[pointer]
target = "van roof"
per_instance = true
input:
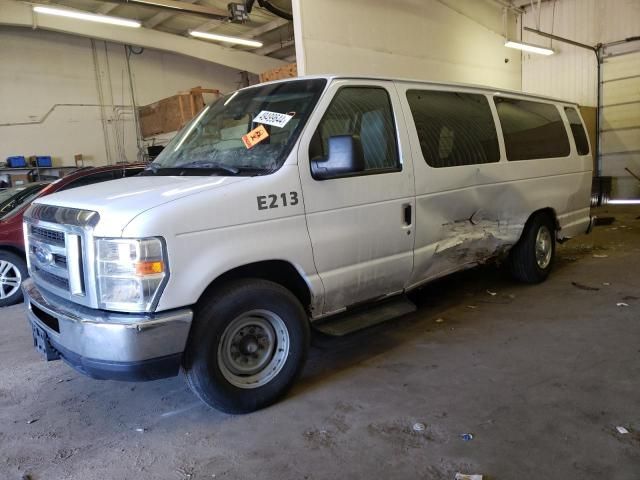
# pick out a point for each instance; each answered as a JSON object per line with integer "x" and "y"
{"x": 480, "y": 88}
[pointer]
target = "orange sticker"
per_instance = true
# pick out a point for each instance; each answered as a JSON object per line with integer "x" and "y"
{"x": 255, "y": 136}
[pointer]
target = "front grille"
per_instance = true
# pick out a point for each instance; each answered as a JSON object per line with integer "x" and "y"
{"x": 59, "y": 252}
{"x": 52, "y": 279}
{"x": 48, "y": 249}
{"x": 60, "y": 261}
{"x": 45, "y": 235}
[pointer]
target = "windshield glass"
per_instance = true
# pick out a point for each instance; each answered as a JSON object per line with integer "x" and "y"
{"x": 12, "y": 199}
{"x": 248, "y": 132}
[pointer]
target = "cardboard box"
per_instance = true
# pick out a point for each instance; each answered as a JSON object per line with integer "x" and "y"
{"x": 18, "y": 179}
{"x": 173, "y": 113}
{"x": 288, "y": 71}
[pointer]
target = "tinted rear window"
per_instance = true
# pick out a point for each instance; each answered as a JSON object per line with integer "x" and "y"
{"x": 579, "y": 135}
{"x": 454, "y": 128}
{"x": 532, "y": 129}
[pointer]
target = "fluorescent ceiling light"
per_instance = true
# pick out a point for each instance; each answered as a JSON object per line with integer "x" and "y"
{"x": 527, "y": 47}
{"x": 624, "y": 201}
{"x": 91, "y": 17}
{"x": 225, "y": 38}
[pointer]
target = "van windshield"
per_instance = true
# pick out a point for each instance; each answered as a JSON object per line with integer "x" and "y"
{"x": 247, "y": 132}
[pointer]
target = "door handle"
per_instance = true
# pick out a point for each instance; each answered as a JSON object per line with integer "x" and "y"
{"x": 407, "y": 215}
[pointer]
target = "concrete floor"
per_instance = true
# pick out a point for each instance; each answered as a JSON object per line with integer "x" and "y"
{"x": 540, "y": 375}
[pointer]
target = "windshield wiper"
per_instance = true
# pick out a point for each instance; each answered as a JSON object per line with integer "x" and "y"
{"x": 151, "y": 169}
{"x": 204, "y": 168}
{"x": 208, "y": 166}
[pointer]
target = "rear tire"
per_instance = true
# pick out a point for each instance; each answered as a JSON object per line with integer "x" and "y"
{"x": 531, "y": 259}
{"x": 247, "y": 346}
{"x": 13, "y": 271}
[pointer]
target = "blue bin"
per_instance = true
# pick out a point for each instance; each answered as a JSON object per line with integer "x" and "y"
{"x": 17, "y": 161}
{"x": 44, "y": 161}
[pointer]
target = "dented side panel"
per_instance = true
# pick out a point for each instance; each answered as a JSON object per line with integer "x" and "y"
{"x": 467, "y": 215}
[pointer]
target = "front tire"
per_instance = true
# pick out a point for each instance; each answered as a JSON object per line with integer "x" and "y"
{"x": 247, "y": 346}
{"x": 13, "y": 270}
{"x": 531, "y": 259}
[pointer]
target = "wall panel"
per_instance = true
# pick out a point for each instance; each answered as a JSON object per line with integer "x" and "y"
{"x": 421, "y": 39}
{"x": 51, "y": 73}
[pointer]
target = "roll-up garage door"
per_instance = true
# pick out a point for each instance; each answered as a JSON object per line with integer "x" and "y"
{"x": 620, "y": 117}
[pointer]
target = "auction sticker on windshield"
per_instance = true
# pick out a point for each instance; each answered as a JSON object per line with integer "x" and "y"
{"x": 273, "y": 118}
{"x": 255, "y": 136}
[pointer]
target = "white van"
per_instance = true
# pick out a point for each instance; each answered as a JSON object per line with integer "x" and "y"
{"x": 284, "y": 204}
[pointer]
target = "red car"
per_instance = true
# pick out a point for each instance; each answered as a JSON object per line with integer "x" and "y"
{"x": 15, "y": 201}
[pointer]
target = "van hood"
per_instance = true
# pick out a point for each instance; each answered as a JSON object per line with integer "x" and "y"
{"x": 120, "y": 201}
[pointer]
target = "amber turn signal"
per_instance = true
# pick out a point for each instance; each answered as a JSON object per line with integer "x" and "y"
{"x": 149, "y": 268}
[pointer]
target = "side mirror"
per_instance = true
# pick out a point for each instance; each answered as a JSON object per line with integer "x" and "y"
{"x": 345, "y": 157}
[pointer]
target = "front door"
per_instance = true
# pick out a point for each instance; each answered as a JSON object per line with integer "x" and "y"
{"x": 360, "y": 223}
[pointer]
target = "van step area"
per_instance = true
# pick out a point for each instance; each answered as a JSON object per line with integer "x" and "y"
{"x": 364, "y": 317}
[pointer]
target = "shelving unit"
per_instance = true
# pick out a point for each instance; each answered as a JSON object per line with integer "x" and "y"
{"x": 38, "y": 172}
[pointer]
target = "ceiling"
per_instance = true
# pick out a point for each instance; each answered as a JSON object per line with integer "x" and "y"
{"x": 274, "y": 32}
{"x": 527, "y": 3}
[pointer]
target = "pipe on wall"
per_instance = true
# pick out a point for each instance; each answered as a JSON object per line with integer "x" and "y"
{"x": 54, "y": 107}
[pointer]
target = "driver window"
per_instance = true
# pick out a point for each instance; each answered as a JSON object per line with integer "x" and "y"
{"x": 365, "y": 114}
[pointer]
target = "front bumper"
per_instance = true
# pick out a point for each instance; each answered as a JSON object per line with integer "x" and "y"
{"x": 108, "y": 345}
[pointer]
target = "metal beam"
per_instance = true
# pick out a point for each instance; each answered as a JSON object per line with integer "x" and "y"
{"x": 562, "y": 39}
{"x": 267, "y": 27}
{"x": 157, "y": 19}
{"x": 180, "y": 6}
{"x": 274, "y": 47}
{"x": 161, "y": 17}
{"x": 509, "y": 5}
{"x": 107, "y": 7}
{"x": 205, "y": 27}
{"x": 20, "y": 14}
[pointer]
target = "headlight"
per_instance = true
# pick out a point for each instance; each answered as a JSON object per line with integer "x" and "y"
{"x": 131, "y": 273}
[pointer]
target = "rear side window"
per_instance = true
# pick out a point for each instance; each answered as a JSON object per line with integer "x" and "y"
{"x": 579, "y": 135}
{"x": 454, "y": 128}
{"x": 531, "y": 129}
{"x": 364, "y": 113}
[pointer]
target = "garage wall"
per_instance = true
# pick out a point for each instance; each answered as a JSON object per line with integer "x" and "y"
{"x": 460, "y": 41}
{"x": 571, "y": 73}
{"x": 50, "y": 102}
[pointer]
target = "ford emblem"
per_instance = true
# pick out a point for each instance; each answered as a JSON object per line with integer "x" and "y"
{"x": 43, "y": 255}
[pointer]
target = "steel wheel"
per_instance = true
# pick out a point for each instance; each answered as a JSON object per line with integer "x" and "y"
{"x": 10, "y": 279}
{"x": 253, "y": 349}
{"x": 544, "y": 247}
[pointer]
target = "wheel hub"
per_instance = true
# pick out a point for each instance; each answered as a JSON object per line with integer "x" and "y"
{"x": 253, "y": 348}
{"x": 249, "y": 345}
{"x": 544, "y": 247}
{"x": 10, "y": 279}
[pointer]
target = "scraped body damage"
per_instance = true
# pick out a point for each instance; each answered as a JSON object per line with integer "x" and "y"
{"x": 476, "y": 241}
{"x": 458, "y": 228}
